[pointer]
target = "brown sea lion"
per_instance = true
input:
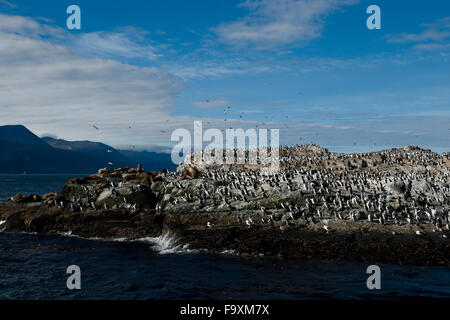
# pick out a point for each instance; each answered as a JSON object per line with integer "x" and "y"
{"x": 190, "y": 173}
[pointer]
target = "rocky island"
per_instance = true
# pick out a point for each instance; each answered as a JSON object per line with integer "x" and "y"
{"x": 388, "y": 206}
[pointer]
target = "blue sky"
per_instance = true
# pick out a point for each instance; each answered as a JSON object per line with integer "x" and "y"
{"x": 140, "y": 69}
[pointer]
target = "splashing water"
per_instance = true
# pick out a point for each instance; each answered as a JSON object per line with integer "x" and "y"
{"x": 167, "y": 243}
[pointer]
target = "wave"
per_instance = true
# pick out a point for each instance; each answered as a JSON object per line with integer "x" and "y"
{"x": 166, "y": 243}
{"x": 228, "y": 252}
{"x": 66, "y": 234}
{"x": 2, "y": 227}
{"x": 71, "y": 235}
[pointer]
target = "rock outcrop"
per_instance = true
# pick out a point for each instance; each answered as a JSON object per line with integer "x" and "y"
{"x": 388, "y": 206}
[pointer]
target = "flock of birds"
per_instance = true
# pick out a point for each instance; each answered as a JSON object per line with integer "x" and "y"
{"x": 327, "y": 186}
{"x": 393, "y": 187}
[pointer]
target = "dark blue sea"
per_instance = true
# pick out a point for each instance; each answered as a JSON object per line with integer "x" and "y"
{"x": 34, "y": 267}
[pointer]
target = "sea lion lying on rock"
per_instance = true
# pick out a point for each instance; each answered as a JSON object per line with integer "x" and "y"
{"x": 47, "y": 196}
{"x": 20, "y": 198}
{"x": 128, "y": 177}
{"x": 190, "y": 173}
{"x": 102, "y": 171}
{"x": 141, "y": 176}
{"x": 86, "y": 180}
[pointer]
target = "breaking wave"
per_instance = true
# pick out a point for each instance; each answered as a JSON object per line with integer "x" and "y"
{"x": 168, "y": 244}
{"x": 71, "y": 235}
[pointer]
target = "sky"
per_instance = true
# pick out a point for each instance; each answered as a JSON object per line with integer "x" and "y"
{"x": 137, "y": 70}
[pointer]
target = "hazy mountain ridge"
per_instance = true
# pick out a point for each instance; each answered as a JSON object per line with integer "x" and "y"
{"x": 22, "y": 151}
{"x": 96, "y": 149}
{"x": 19, "y": 134}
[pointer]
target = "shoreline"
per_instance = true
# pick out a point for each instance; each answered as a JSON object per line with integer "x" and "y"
{"x": 357, "y": 243}
{"x": 177, "y": 247}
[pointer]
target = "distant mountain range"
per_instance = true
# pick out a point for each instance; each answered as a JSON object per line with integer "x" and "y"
{"x": 23, "y": 151}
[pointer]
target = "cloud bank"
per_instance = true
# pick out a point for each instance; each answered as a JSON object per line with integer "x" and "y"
{"x": 50, "y": 88}
{"x": 271, "y": 23}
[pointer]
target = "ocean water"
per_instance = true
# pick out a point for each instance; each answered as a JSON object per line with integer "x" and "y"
{"x": 12, "y": 184}
{"x": 34, "y": 267}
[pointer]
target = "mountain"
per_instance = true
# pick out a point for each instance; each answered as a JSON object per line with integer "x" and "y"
{"x": 151, "y": 161}
{"x": 96, "y": 149}
{"x": 18, "y": 134}
{"x": 23, "y": 151}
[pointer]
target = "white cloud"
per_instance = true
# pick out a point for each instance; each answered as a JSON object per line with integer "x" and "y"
{"x": 193, "y": 67}
{"x": 429, "y": 39}
{"x": 50, "y": 88}
{"x": 27, "y": 27}
{"x": 271, "y": 23}
{"x": 431, "y": 46}
{"x": 125, "y": 42}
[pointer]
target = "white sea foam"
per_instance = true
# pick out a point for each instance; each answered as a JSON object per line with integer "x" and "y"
{"x": 2, "y": 222}
{"x": 168, "y": 243}
{"x": 228, "y": 251}
{"x": 71, "y": 235}
{"x": 120, "y": 239}
{"x": 164, "y": 244}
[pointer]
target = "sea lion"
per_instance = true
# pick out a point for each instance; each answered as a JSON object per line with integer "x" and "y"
{"x": 20, "y": 198}
{"x": 190, "y": 173}
{"x": 143, "y": 176}
{"x": 50, "y": 195}
{"x": 128, "y": 177}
